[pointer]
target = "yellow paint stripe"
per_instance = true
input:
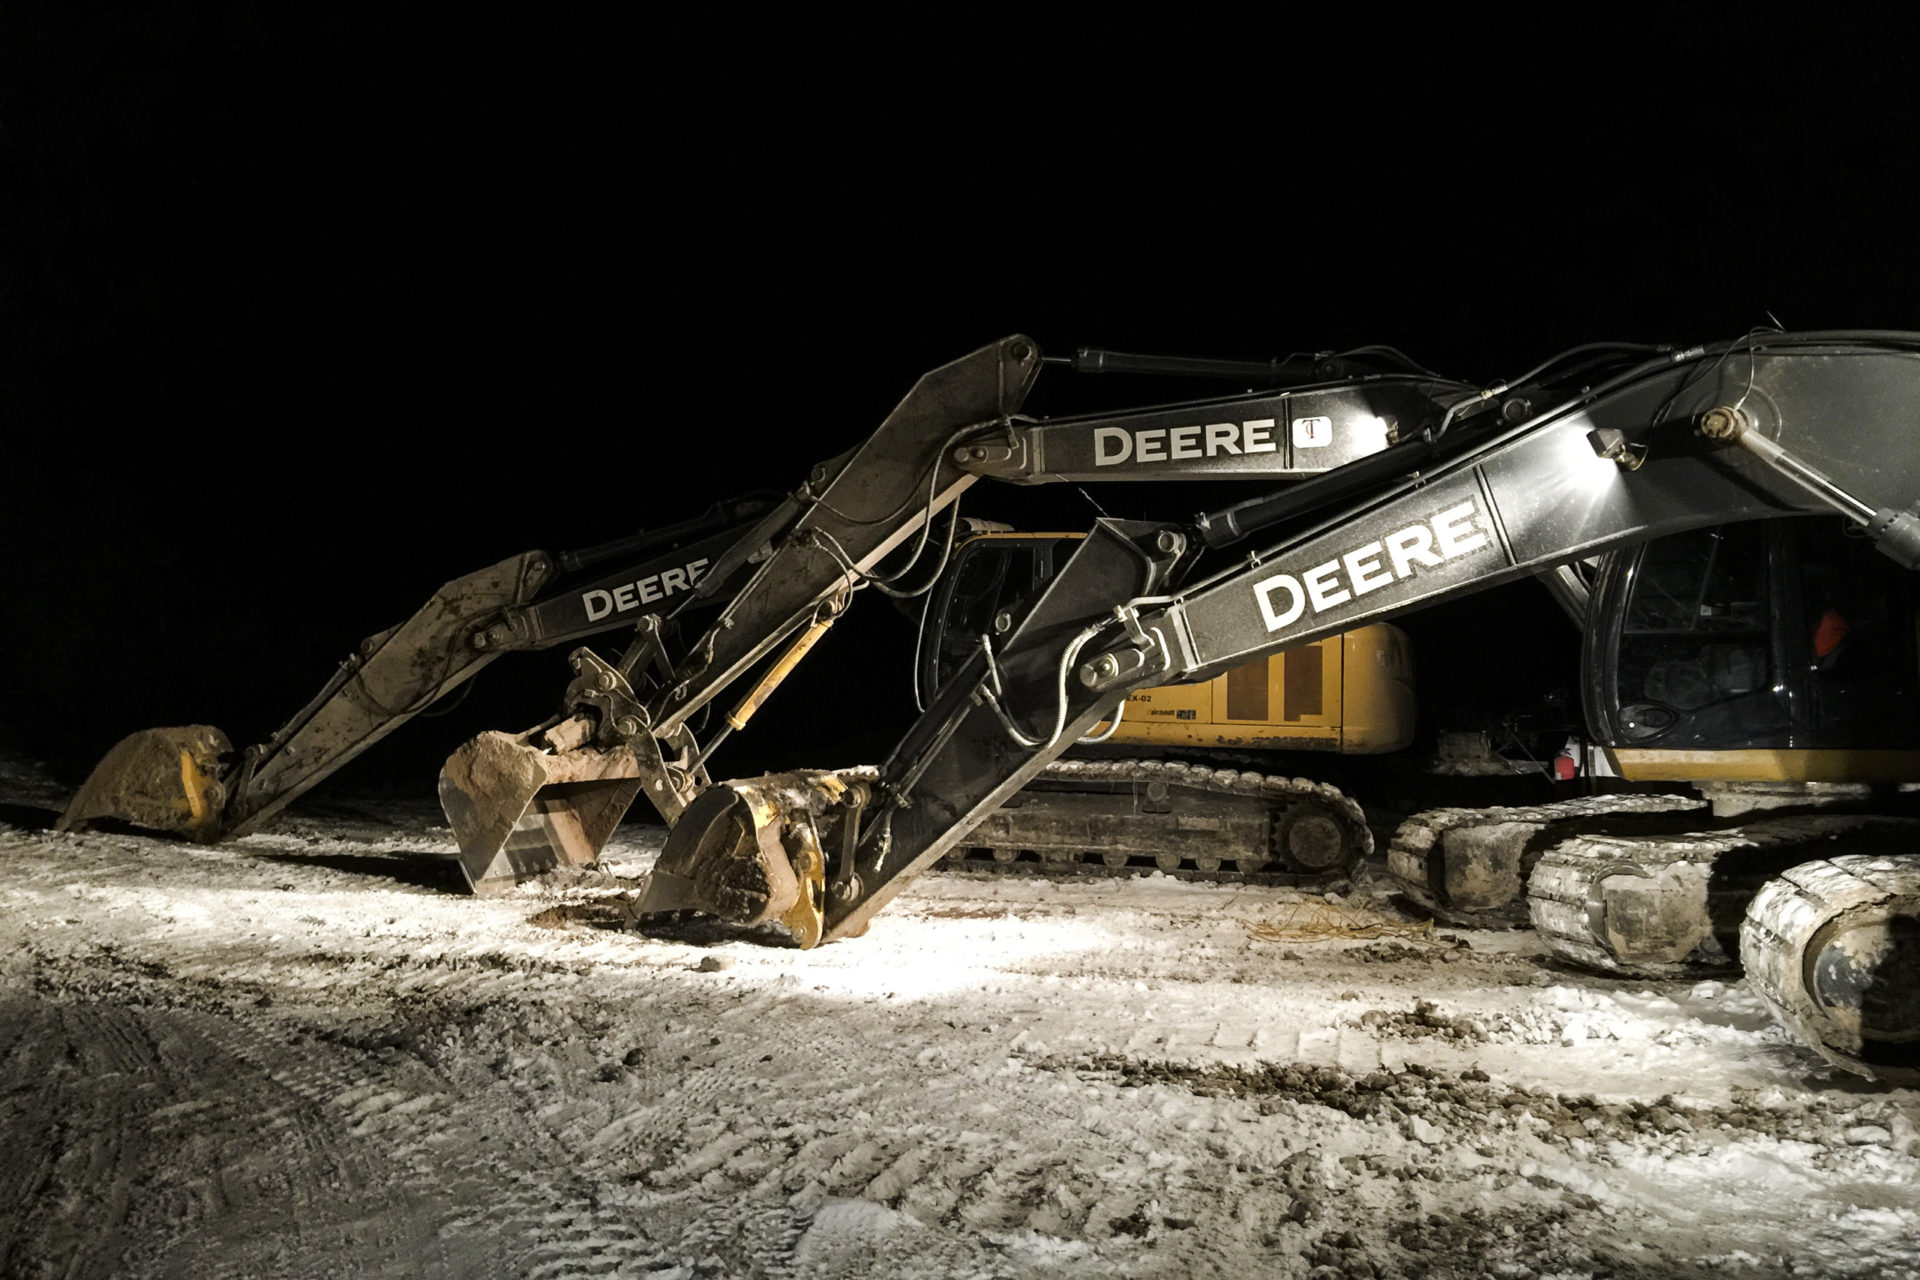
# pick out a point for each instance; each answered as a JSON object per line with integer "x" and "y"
{"x": 1761, "y": 764}
{"x": 194, "y": 783}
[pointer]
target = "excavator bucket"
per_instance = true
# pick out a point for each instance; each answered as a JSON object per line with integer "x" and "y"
{"x": 751, "y": 851}
{"x": 160, "y": 779}
{"x": 518, "y": 810}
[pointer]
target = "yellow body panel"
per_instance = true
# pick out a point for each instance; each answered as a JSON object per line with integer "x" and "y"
{"x": 1351, "y": 694}
{"x": 1758, "y": 764}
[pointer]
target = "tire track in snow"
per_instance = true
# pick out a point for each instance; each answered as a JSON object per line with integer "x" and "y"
{"x": 146, "y": 1179}
{"x": 739, "y": 1129}
{"x": 372, "y": 1129}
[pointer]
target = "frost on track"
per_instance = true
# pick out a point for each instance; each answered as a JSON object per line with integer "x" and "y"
{"x": 303, "y": 1054}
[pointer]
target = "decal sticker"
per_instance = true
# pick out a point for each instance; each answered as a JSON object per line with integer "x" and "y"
{"x": 1284, "y": 598}
{"x": 1312, "y": 433}
{"x": 631, "y": 595}
{"x": 1115, "y": 445}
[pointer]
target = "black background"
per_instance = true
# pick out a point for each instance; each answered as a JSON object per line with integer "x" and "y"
{"x": 307, "y": 311}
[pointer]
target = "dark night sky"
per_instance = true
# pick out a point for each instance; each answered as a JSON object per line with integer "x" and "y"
{"x": 307, "y": 312}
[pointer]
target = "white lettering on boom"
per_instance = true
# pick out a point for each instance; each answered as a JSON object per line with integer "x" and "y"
{"x": 1428, "y": 544}
{"x": 1115, "y": 445}
{"x": 631, "y": 595}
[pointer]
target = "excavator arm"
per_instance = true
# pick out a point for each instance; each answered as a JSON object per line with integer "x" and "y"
{"x": 1762, "y": 427}
{"x": 189, "y": 780}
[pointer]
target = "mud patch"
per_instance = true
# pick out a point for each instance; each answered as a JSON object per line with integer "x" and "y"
{"x": 1424, "y": 1021}
{"x": 1438, "y": 947}
{"x": 1474, "y": 1102}
{"x": 697, "y": 930}
{"x": 615, "y": 912}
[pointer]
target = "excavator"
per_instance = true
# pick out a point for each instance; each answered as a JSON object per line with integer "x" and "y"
{"x": 1696, "y": 506}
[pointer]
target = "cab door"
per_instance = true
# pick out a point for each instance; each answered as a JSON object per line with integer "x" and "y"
{"x": 1768, "y": 650}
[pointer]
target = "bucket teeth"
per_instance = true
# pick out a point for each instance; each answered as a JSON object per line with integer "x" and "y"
{"x": 518, "y": 810}
{"x": 160, "y": 779}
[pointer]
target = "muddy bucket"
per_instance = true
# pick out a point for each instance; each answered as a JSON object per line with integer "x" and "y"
{"x": 160, "y": 779}
{"x": 518, "y": 810}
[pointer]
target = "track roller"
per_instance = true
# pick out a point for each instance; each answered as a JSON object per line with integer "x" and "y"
{"x": 1834, "y": 948}
{"x": 1636, "y": 907}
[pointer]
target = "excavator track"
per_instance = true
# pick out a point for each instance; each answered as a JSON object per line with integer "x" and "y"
{"x": 1669, "y": 907}
{"x": 1834, "y": 946}
{"x": 1469, "y": 866}
{"x": 1187, "y": 821}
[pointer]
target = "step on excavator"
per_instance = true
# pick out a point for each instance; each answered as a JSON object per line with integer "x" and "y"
{"x": 1697, "y": 506}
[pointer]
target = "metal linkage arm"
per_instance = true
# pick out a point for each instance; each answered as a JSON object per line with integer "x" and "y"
{"x": 386, "y": 682}
{"x": 1273, "y": 436}
{"x": 189, "y": 779}
{"x": 854, "y": 510}
{"x": 521, "y": 604}
{"x": 1005, "y": 716}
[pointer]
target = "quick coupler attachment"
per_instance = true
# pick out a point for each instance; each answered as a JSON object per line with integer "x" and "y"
{"x": 755, "y": 851}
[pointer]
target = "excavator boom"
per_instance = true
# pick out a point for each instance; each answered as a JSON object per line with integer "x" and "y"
{"x": 711, "y": 601}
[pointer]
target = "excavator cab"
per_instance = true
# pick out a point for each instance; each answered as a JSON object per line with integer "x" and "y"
{"x": 1777, "y": 650}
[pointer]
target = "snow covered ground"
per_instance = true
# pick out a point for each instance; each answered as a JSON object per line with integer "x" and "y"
{"x": 304, "y": 1054}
